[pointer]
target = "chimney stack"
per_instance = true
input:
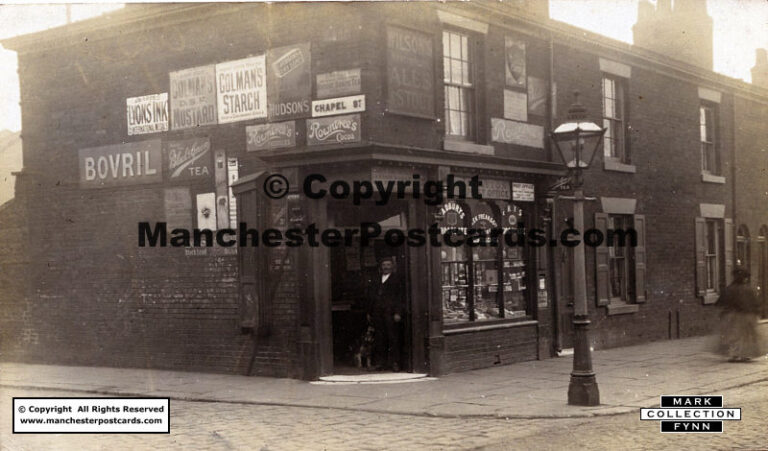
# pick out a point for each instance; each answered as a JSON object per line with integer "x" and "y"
{"x": 760, "y": 71}
{"x": 683, "y": 31}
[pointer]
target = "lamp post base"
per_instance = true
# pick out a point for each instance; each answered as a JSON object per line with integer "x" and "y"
{"x": 583, "y": 391}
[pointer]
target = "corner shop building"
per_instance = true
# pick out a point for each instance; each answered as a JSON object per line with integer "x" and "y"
{"x": 352, "y": 93}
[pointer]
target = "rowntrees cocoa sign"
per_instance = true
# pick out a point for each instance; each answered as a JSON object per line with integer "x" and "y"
{"x": 333, "y": 130}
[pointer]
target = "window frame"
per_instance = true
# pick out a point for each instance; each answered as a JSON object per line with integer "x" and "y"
{"x": 472, "y": 265}
{"x": 713, "y": 274}
{"x": 470, "y": 87}
{"x": 709, "y": 149}
{"x": 618, "y": 121}
{"x": 627, "y": 295}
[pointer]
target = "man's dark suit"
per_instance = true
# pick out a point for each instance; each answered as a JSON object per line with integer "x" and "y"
{"x": 385, "y": 300}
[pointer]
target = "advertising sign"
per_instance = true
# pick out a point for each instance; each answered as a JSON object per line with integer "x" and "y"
{"x": 189, "y": 159}
{"x": 342, "y": 105}
{"x": 515, "y": 105}
{"x": 242, "y": 89}
{"x": 410, "y": 73}
{"x": 514, "y": 58}
{"x": 520, "y": 133}
{"x": 290, "y": 82}
{"x": 121, "y": 164}
{"x": 537, "y": 96}
{"x": 333, "y": 130}
{"x": 522, "y": 192}
{"x": 339, "y": 83}
{"x": 193, "y": 97}
{"x": 147, "y": 114}
{"x": 270, "y": 136}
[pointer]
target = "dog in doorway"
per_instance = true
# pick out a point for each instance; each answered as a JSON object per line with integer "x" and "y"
{"x": 362, "y": 348}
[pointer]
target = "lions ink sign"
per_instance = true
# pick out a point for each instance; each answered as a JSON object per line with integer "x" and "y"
{"x": 691, "y": 414}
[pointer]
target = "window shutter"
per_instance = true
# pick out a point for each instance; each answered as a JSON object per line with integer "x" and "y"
{"x": 601, "y": 262}
{"x": 728, "y": 232}
{"x": 639, "y": 253}
{"x": 701, "y": 255}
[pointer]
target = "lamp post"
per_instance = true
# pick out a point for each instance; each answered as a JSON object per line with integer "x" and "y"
{"x": 577, "y": 141}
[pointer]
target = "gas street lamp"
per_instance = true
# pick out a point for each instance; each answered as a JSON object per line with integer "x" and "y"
{"x": 577, "y": 141}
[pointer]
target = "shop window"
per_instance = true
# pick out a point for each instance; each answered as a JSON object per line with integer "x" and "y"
{"x": 483, "y": 279}
{"x": 459, "y": 85}
{"x": 708, "y": 135}
{"x": 614, "y": 118}
{"x": 620, "y": 260}
{"x": 714, "y": 251}
{"x": 743, "y": 247}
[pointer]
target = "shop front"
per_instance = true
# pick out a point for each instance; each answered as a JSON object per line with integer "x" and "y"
{"x": 473, "y": 288}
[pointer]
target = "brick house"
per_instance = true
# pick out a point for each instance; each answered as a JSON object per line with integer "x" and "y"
{"x": 180, "y": 113}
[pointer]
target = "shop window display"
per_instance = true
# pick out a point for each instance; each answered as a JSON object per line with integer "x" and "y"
{"x": 482, "y": 281}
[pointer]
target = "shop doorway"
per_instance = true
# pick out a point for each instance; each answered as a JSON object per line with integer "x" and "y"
{"x": 353, "y": 272}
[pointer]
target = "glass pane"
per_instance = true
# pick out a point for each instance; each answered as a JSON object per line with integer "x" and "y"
{"x": 619, "y": 102}
{"x": 446, "y": 44}
{"x": 711, "y": 241}
{"x": 617, "y": 277}
{"x": 711, "y": 269}
{"x": 453, "y": 98}
{"x": 610, "y": 111}
{"x": 455, "y": 123}
{"x": 466, "y": 74}
{"x": 464, "y": 48}
{"x": 455, "y": 46}
{"x": 456, "y": 71}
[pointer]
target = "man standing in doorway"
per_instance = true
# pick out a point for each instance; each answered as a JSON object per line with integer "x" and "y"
{"x": 385, "y": 294}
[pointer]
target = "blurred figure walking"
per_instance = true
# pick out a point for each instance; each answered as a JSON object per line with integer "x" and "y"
{"x": 740, "y": 338}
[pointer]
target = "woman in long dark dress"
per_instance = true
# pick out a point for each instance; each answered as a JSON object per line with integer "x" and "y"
{"x": 740, "y": 338}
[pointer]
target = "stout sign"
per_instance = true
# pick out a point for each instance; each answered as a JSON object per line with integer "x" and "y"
{"x": 193, "y": 97}
{"x": 147, "y": 114}
{"x": 120, "y": 164}
{"x": 289, "y": 81}
{"x": 410, "y": 73}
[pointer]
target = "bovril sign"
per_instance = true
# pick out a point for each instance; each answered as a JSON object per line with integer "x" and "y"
{"x": 121, "y": 164}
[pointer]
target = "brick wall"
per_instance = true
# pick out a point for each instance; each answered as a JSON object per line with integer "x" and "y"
{"x": 485, "y": 348}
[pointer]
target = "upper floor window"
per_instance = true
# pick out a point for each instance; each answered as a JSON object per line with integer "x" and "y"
{"x": 459, "y": 85}
{"x": 708, "y": 138}
{"x": 614, "y": 118}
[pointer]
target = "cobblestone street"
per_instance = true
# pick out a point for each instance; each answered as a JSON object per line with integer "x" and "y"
{"x": 207, "y": 425}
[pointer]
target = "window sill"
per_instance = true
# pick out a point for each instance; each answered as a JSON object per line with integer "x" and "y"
{"x": 620, "y": 308}
{"x": 467, "y": 147}
{"x": 706, "y": 177}
{"x": 617, "y": 166}
{"x": 710, "y": 298}
{"x": 463, "y": 329}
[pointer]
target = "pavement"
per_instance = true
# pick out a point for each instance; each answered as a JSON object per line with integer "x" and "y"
{"x": 629, "y": 378}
